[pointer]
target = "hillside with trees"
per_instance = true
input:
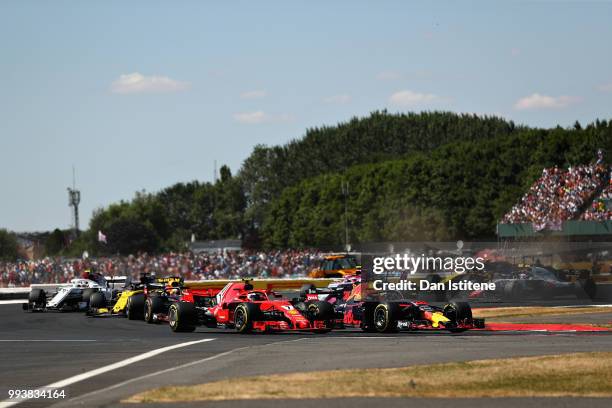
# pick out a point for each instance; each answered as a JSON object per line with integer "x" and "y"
{"x": 374, "y": 139}
{"x": 458, "y": 191}
{"x": 434, "y": 175}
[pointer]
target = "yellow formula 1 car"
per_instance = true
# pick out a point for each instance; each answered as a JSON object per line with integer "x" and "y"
{"x": 130, "y": 302}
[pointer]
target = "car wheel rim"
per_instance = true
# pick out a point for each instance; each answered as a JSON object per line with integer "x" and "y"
{"x": 380, "y": 319}
{"x": 172, "y": 317}
{"x": 239, "y": 319}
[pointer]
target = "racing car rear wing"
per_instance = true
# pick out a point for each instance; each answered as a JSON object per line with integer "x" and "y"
{"x": 170, "y": 279}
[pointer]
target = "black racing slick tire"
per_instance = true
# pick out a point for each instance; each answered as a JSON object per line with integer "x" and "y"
{"x": 458, "y": 312}
{"x": 182, "y": 317}
{"x": 86, "y": 295}
{"x": 244, "y": 315}
{"x": 586, "y": 289}
{"x": 38, "y": 297}
{"x": 134, "y": 310}
{"x": 385, "y": 317}
{"x": 153, "y": 305}
{"x": 512, "y": 291}
{"x": 324, "y": 311}
{"x": 320, "y": 310}
{"x": 97, "y": 300}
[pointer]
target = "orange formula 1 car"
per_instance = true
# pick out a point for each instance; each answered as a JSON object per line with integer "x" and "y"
{"x": 336, "y": 266}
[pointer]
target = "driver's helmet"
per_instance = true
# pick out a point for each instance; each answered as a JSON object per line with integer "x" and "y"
{"x": 255, "y": 296}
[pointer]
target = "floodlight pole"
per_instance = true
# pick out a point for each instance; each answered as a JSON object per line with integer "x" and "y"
{"x": 74, "y": 198}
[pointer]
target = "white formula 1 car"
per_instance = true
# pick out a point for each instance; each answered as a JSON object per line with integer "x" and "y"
{"x": 73, "y": 296}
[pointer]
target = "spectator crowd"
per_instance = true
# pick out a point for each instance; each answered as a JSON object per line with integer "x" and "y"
{"x": 559, "y": 195}
{"x": 601, "y": 208}
{"x": 202, "y": 266}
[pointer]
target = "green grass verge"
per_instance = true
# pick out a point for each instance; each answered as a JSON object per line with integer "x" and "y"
{"x": 565, "y": 375}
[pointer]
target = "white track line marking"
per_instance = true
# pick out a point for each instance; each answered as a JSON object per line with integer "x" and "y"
{"x": 204, "y": 360}
{"x": 110, "y": 367}
{"x": 13, "y": 301}
{"x": 180, "y": 367}
{"x": 156, "y": 373}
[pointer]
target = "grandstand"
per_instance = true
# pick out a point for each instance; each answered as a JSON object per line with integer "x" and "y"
{"x": 601, "y": 207}
{"x": 573, "y": 202}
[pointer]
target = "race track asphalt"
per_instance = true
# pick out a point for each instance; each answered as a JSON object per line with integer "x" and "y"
{"x": 42, "y": 348}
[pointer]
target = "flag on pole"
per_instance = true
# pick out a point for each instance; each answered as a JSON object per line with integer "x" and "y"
{"x": 101, "y": 237}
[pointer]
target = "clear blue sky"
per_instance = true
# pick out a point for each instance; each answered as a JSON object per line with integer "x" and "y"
{"x": 143, "y": 94}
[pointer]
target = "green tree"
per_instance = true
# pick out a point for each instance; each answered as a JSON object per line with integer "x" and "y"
{"x": 456, "y": 191}
{"x": 126, "y": 236}
{"x": 55, "y": 242}
{"x": 432, "y": 175}
{"x": 8, "y": 246}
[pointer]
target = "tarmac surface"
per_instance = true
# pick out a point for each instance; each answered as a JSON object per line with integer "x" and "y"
{"x": 45, "y": 348}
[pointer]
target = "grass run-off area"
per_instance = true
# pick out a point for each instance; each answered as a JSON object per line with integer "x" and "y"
{"x": 564, "y": 375}
{"x": 500, "y": 312}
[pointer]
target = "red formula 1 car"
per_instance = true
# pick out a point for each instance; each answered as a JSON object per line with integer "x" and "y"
{"x": 391, "y": 311}
{"x": 246, "y": 310}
